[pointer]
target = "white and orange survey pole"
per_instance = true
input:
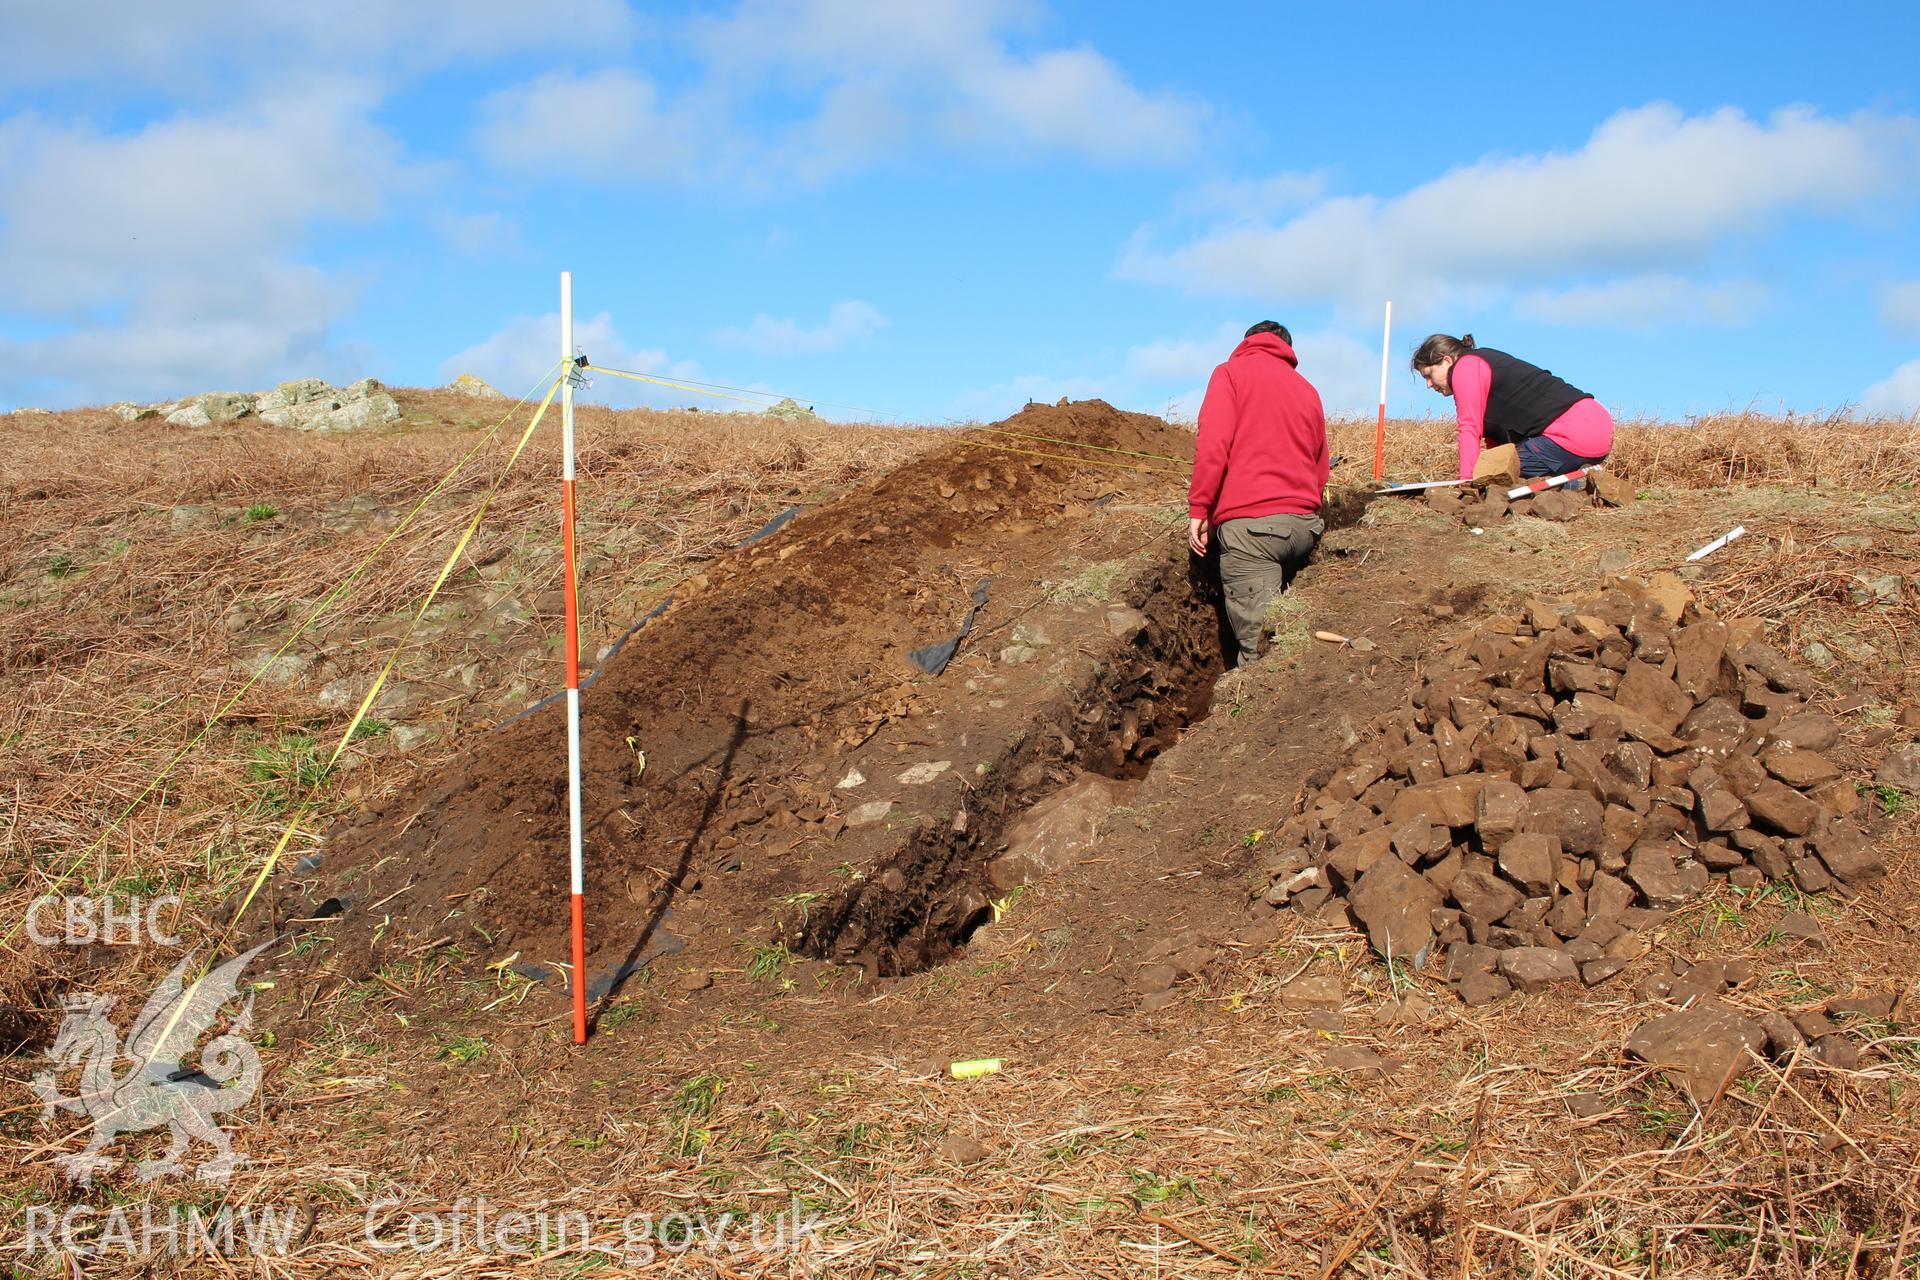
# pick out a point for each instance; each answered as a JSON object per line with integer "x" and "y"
{"x": 1380, "y": 431}
{"x": 577, "y": 872}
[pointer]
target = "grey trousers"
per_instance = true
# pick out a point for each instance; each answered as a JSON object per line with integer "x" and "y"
{"x": 1257, "y": 557}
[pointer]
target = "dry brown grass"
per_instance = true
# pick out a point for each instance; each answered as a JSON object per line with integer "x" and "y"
{"x": 1841, "y": 452}
{"x": 132, "y": 580}
{"x": 1225, "y": 1148}
{"x": 1212, "y": 1143}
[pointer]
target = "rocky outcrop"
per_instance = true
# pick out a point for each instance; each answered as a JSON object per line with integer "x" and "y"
{"x": 792, "y": 410}
{"x": 311, "y": 405}
{"x": 469, "y": 385}
{"x": 214, "y": 406}
{"x": 308, "y": 404}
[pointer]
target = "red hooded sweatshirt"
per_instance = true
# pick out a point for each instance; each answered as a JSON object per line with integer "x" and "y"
{"x": 1262, "y": 447}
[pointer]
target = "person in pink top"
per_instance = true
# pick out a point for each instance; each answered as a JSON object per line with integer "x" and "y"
{"x": 1501, "y": 399}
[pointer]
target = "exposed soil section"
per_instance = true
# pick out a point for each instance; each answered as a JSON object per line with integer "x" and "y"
{"x": 1156, "y": 679}
{"x": 782, "y": 668}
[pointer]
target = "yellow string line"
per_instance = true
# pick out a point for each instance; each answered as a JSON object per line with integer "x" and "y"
{"x": 681, "y": 386}
{"x": 373, "y": 692}
{"x": 306, "y": 801}
{"x": 720, "y": 390}
{"x": 326, "y": 602}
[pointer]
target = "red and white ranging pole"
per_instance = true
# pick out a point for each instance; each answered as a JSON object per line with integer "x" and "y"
{"x": 577, "y": 870}
{"x": 1380, "y": 431}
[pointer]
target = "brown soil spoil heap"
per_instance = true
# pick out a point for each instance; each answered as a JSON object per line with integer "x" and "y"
{"x": 749, "y": 697}
{"x": 1566, "y": 779}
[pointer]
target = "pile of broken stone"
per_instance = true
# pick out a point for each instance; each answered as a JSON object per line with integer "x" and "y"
{"x": 1485, "y": 503}
{"x": 1562, "y": 782}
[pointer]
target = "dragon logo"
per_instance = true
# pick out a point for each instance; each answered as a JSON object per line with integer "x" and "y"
{"x": 156, "y": 1091}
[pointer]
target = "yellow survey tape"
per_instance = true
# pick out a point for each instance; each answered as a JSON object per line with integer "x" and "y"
{"x": 720, "y": 389}
{"x": 326, "y": 602}
{"x": 679, "y": 386}
{"x": 306, "y": 801}
{"x": 373, "y": 692}
{"x": 974, "y": 1068}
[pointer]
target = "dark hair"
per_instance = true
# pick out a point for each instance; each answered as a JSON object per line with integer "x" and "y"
{"x": 1271, "y": 326}
{"x": 1438, "y": 347}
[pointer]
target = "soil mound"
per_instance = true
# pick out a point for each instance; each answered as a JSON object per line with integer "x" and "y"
{"x": 721, "y": 725}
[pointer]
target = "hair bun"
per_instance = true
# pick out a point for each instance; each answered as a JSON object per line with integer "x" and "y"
{"x": 1466, "y": 340}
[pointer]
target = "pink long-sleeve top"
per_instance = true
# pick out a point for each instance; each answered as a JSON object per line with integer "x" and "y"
{"x": 1585, "y": 429}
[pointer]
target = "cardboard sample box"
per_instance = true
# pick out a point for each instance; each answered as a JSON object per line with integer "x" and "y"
{"x": 1501, "y": 463}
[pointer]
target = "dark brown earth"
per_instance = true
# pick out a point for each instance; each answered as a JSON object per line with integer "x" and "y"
{"x": 810, "y": 796}
{"x": 784, "y": 671}
{"x": 1177, "y": 1055}
{"x": 785, "y": 667}
{"x": 706, "y": 906}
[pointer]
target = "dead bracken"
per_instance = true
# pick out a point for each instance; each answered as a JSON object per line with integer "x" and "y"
{"x": 1189, "y": 1080}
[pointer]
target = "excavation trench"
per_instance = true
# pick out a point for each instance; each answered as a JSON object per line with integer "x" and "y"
{"x": 918, "y": 907}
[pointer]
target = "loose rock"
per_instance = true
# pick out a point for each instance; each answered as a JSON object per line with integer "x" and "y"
{"x": 1395, "y": 905}
{"x": 1706, "y": 1046}
{"x": 1535, "y": 968}
{"x": 1568, "y": 776}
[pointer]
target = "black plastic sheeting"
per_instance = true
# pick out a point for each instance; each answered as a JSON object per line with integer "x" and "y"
{"x": 933, "y": 658}
{"x": 593, "y": 675}
{"x": 771, "y": 527}
{"x": 659, "y": 942}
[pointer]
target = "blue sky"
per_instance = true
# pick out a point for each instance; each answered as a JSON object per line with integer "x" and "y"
{"x": 940, "y": 209}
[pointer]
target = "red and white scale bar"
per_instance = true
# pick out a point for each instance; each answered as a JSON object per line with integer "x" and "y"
{"x": 576, "y": 870}
{"x": 1380, "y": 430}
{"x": 1549, "y": 482}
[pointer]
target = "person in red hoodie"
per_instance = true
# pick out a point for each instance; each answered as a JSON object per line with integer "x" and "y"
{"x": 1259, "y": 472}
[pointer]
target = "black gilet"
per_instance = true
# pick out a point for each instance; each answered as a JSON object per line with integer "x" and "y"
{"x": 1524, "y": 398}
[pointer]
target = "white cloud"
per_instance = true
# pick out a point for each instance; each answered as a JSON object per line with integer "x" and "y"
{"x": 807, "y": 89}
{"x": 1897, "y": 393}
{"x": 155, "y": 351}
{"x": 847, "y": 323}
{"x": 196, "y": 200}
{"x": 1645, "y": 302}
{"x": 175, "y": 254}
{"x": 166, "y": 260}
{"x": 478, "y": 234}
{"x": 122, "y": 43}
{"x": 1900, "y": 306}
{"x": 1003, "y": 399}
{"x": 1652, "y": 189}
{"x": 1180, "y": 359}
{"x": 524, "y": 352}
{"x": 612, "y": 123}
{"x": 1069, "y": 100}
{"x": 1343, "y": 369}
{"x": 821, "y": 40}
